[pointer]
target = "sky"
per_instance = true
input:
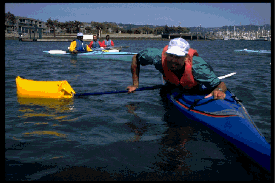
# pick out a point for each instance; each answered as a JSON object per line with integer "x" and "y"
{"x": 171, "y": 14}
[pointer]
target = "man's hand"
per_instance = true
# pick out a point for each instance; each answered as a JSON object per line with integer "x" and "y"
{"x": 131, "y": 89}
{"x": 217, "y": 94}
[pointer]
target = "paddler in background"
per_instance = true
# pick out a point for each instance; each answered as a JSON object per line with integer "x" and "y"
{"x": 181, "y": 67}
{"x": 107, "y": 42}
{"x": 77, "y": 45}
{"x": 95, "y": 43}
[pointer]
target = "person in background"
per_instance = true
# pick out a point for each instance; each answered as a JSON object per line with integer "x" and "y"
{"x": 107, "y": 42}
{"x": 181, "y": 67}
{"x": 95, "y": 43}
{"x": 77, "y": 45}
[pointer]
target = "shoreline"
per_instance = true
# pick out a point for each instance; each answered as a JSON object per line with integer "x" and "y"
{"x": 71, "y": 37}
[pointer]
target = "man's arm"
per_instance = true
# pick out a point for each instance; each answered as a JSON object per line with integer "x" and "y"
{"x": 90, "y": 45}
{"x": 102, "y": 44}
{"x": 135, "y": 68}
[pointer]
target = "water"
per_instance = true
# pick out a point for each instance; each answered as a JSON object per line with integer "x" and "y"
{"x": 126, "y": 136}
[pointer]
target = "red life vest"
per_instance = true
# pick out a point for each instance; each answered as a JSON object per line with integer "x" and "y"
{"x": 187, "y": 80}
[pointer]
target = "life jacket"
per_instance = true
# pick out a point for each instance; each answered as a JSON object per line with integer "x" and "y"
{"x": 79, "y": 45}
{"x": 95, "y": 44}
{"x": 108, "y": 43}
{"x": 187, "y": 80}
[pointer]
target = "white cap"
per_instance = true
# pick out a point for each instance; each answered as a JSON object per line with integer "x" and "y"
{"x": 79, "y": 34}
{"x": 178, "y": 46}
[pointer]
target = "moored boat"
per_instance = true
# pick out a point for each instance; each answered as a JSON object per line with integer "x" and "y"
{"x": 229, "y": 119}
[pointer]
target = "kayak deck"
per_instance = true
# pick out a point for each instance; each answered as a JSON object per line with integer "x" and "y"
{"x": 229, "y": 119}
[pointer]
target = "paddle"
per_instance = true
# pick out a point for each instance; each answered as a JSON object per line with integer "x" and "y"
{"x": 56, "y": 52}
{"x": 122, "y": 91}
{"x": 138, "y": 89}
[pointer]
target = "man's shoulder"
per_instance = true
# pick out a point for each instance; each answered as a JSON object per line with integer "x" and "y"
{"x": 149, "y": 56}
{"x": 151, "y": 52}
{"x": 198, "y": 61}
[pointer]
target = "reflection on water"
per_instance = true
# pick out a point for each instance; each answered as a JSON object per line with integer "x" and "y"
{"x": 44, "y": 133}
{"x": 30, "y": 107}
{"x": 137, "y": 125}
{"x": 174, "y": 153}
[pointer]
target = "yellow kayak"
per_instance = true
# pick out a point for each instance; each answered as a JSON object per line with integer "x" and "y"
{"x": 43, "y": 89}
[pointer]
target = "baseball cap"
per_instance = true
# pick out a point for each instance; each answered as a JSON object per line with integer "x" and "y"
{"x": 79, "y": 34}
{"x": 178, "y": 46}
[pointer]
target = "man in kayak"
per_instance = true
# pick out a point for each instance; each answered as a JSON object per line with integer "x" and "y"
{"x": 77, "y": 45}
{"x": 107, "y": 42}
{"x": 181, "y": 66}
{"x": 95, "y": 43}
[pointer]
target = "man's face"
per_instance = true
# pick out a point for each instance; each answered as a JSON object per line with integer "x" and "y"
{"x": 107, "y": 37}
{"x": 95, "y": 38}
{"x": 174, "y": 62}
{"x": 80, "y": 38}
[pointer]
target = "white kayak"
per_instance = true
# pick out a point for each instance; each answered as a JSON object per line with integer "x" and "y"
{"x": 104, "y": 54}
{"x": 253, "y": 51}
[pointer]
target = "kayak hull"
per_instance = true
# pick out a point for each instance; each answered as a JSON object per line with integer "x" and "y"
{"x": 229, "y": 119}
{"x": 253, "y": 51}
{"x": 101, "y": 55}
{"x": 43, "y": 89}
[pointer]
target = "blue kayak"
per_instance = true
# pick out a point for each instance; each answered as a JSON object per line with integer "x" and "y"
{"x": 253, "y": 51}
{"x": 229, "y": 119}
{"x": 106, "y": 55}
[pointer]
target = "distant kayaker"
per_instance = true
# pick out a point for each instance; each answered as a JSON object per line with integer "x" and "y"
{"x": 107, "y": 42}
{"x": 181, "y": 66}
{"x": 95, "y": 43}
{"x": 77, "y": 45}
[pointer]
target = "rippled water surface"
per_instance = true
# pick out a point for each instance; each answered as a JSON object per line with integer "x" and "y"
{"x": 126, "y": 136}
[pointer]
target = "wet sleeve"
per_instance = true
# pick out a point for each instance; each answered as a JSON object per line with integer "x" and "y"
{"x": 204, "y": 74}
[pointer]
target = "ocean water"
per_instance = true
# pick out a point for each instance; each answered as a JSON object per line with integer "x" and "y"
{"x": 135, "y": 136}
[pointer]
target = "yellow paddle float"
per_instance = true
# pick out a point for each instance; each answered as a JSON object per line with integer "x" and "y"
{"x": 43, "y": 89}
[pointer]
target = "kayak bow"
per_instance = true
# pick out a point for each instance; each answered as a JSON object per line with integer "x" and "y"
{"x": 229, "y": 119}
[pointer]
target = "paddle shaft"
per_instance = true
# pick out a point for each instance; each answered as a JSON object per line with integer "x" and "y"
{"x": 138, "y": 89}
{"x": 122, "y": 91}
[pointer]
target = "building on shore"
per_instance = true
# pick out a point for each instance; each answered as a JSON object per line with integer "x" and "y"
{"x": 23, "y": 25}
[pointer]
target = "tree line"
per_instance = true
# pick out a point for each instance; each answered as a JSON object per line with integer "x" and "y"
{"x": 75, "y": 26}
{"x": 104, "y": 27}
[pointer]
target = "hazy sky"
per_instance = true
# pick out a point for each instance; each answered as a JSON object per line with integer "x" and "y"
{"x": 183, "y": 14}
